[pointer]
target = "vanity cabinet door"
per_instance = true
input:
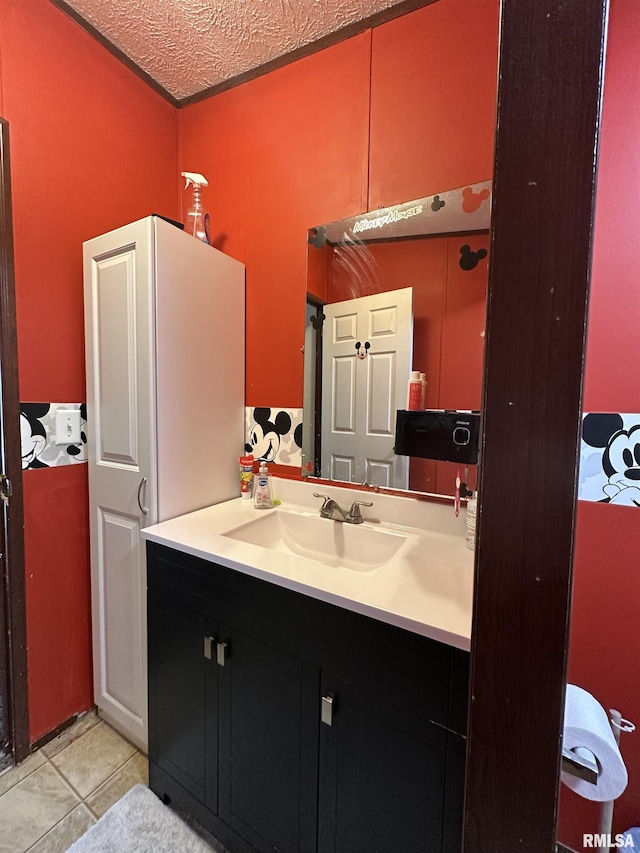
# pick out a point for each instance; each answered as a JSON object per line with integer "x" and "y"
{"x": 268, "y": 745}
{"x": 382, "y": 776}
{"x": 183, "y": 700}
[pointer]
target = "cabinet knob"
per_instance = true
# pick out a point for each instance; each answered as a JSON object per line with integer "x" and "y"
{"x": 326, "y": 709}
{"x": 208, "y": 646}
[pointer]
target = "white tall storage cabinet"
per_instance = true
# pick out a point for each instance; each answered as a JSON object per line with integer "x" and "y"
{"x": 164, "y": 327}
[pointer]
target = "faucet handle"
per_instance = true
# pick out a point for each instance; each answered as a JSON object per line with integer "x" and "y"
{"x": 354, "y": 512}
{"x": 325, "y": 499}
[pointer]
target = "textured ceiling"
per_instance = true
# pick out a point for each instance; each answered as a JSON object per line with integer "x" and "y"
{"x": 188, "y": 46}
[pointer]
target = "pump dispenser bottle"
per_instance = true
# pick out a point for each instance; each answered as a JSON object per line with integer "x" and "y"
{"x": 197, "y": 216}
{"x": 262, "y": 492}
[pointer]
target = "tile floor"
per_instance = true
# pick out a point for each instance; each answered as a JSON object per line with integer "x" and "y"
{"x": 53, "y": 797}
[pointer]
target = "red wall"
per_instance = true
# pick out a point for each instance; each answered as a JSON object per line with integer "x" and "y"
{"x": 434, "y": 78}
{"x": 396, "y": 113}
{"x": 92, "y": 147}
{"x": 281, "y": 153}
{"x": 603, "y": 656}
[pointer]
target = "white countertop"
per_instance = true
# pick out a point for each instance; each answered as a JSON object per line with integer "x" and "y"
{"x": 427, "y": 587}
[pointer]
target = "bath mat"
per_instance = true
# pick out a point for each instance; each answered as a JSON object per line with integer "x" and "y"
{"x": 140, "y": 823}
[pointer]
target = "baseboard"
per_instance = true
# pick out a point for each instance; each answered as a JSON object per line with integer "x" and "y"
{"x": 45, "y": 739}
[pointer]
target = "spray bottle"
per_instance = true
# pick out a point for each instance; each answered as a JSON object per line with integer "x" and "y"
{"x": 197, "y": 216}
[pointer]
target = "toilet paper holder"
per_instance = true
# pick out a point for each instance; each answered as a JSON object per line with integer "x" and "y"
{"x": 581, "y": 762}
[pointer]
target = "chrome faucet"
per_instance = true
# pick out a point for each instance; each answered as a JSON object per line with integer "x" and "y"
{"x": 331, "y": 509}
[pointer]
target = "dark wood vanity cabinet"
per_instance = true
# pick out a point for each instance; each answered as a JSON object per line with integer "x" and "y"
{"x": 231, "y": 720}
{"x": 282, "y": 723}
{"x": 382, "y": 778}
{"x": 183, "y": 729}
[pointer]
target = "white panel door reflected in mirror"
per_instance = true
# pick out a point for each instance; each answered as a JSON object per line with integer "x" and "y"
{"x": 367, "y": 354}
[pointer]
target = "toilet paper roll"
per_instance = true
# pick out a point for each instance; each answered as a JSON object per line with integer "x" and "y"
{"x": 586, "y": 724}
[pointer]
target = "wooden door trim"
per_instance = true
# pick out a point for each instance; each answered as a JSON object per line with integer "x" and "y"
{"x": 549, "y": 95}
{"x": 13, "y": 577}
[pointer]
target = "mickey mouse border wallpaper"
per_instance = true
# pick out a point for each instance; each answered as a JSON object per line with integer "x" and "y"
{"x": 610, "y": 459}
{"x": 609, "y": 451}
{"x": 272, "y": 434}
{"x": 38, "y": 438}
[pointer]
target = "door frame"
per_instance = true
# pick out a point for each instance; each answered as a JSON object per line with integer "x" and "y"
{"x": 12, "y": 588}
{"x": 551, "y": 68}
{"x": 316, "y": 368}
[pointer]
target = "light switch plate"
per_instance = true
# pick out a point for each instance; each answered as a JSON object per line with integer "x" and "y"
{"x": 68, "y": 426}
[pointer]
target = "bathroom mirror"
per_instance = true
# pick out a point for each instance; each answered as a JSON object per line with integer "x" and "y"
{"x": 389, "y": 292}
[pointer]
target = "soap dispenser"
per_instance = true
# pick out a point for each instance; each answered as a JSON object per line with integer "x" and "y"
{"x": 262, "y": 492}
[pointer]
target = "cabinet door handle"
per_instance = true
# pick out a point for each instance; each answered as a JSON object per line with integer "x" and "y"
{"x": 208, "y": 647}
{"x": 326, "y": 709}
{"x": 221, "y": 654}
{"x": 144, "y": 510}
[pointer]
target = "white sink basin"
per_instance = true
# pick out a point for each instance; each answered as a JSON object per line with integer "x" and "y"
{"x": 409, "y": 567}
{"x": 360, "y": 547}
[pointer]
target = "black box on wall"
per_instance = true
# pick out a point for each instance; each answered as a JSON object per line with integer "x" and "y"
{"x": 449, "y": 436}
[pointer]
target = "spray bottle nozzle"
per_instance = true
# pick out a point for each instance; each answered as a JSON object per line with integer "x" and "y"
{"x": 194, "y": 178}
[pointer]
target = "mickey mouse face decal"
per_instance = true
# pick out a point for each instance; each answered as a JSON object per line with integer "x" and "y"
{"x": 622, "y": 458}
{"x": 264, "y": 436}
{"x": 469, "y": 259}
{"x": 362, "y": 350}
{"x": 32, "y": 434}
{"x": 317, "y": 237}
{"x": 471, "y": 201}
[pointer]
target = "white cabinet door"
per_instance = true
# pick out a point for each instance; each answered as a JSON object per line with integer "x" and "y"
{"x": 119, "y": 348}
{"x": 360, "y": 395}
